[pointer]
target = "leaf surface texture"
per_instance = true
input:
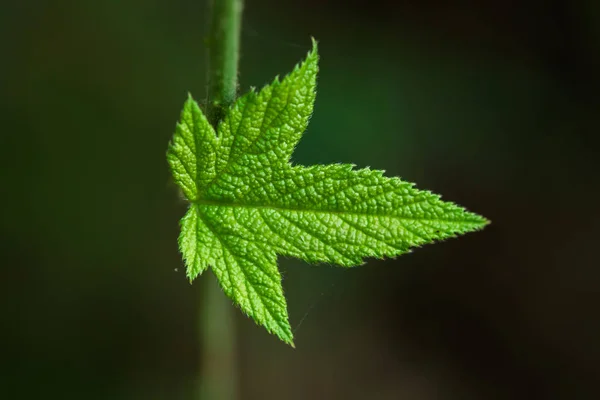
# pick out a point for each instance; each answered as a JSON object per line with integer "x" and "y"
{"x": 249, "y": 203}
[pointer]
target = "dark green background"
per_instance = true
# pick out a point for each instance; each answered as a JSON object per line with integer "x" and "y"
{"x": 493, "y": 104}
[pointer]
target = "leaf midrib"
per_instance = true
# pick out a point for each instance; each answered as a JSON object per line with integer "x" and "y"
{"x": 216, "y": 203}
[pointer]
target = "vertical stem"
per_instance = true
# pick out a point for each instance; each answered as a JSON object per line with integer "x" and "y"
{"x": 219, "y": 375}
{"x": 223, "y": 56}
{"x": 218, "y": 379}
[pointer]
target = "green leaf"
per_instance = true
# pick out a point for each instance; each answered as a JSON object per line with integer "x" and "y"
{"x": 248, "y": 203}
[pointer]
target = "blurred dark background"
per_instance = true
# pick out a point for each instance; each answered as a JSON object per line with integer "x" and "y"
{"x": 495, "y": 105}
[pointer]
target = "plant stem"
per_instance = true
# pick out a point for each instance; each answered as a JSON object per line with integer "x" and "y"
{"x": 223, "y": 56}
{"x": 218, "y": 378}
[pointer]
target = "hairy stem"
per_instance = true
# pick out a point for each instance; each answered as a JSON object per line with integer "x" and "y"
{"x": 223, "y": 56}
{"x": 218, "y": 378}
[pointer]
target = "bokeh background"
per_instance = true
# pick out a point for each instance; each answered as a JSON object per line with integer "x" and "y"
{"x": 494, "y": 104}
